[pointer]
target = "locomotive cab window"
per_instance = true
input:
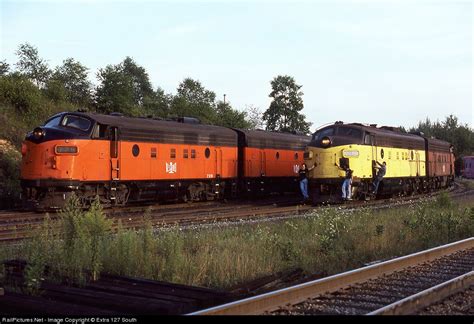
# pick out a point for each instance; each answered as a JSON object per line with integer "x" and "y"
{"x": 76, "y": 122}
{"x": 100, "y": 131}
{"x": 53, "y": 122}
{"x": 322, "y": 133}
{"x": 349, "y": 132}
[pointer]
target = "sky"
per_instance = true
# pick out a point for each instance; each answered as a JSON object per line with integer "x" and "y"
{"x": 384, "y": 62}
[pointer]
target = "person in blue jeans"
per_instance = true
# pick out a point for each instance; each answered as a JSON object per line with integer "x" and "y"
{"x": 347, "y": 185}
{"x": 382, "y": 169}
{"x": 304, "y": 180}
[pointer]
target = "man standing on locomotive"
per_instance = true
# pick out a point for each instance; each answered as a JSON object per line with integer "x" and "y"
{"x": 304, "y": 180}
{"x": 347, "y": 185}
{"x": 380, "y": 174}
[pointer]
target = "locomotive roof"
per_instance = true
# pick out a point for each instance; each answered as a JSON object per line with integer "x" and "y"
{"x": 275, "y": 140}
{"x": 389, "y": 136}
{"x": 164, "y": 131}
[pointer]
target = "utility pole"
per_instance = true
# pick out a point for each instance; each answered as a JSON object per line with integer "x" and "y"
{"x": 224, "y": 98}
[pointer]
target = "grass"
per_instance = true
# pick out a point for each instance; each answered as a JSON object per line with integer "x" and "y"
{"x": 326, "y": 241}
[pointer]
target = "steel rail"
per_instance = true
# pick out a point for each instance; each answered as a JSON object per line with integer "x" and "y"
{"x": 414, "y": 303}
{"x": 273, "y": 300}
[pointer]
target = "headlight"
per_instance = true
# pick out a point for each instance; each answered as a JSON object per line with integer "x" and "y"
{"x": 325, "y": 142}
{"x": 65, "y": 149}
{"x": 38, "y": 132}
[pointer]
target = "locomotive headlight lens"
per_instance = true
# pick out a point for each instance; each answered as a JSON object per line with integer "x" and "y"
{"x": 326, "y": 141}
{"x": 38, "y": 132}
{"x": 66, "y": 149}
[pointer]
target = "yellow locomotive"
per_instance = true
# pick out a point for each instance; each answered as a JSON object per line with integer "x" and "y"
{"x": 359, "y": 147}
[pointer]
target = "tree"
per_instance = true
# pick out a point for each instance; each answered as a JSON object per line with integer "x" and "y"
{"x": 31, "y": 65}
{"x": 124, "y": 88}
{"x": 254, "y": 117}
{"x": 141, "y": 84}
{"x": 158, "y": 104}
{"x": 115, "y": 91}
{"x": 229, "y": 117}
{"x": 4, "y": 68}
{"x": 283, "y": 113}
{"x": 73, "y": 76}
{"x": 193, "y": 100}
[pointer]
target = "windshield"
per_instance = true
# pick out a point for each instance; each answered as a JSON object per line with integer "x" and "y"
{"x": 76, "y": 122}
{"x": 325, "y": 132}
{"x": 350, "y": 132}
{"x": 53, "y": 122}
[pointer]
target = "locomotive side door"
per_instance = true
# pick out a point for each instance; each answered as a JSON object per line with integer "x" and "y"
{"x": 218, "y": 162}
{"x": 374, "y": 154}
{"x": 418, "y": 166}
{"x": 114, "y": 154}
{"x": 262, "y": 158}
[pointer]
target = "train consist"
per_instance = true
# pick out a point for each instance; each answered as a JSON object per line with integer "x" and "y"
{"x": 414, "y": 163}
{"x": 123, "y": 159}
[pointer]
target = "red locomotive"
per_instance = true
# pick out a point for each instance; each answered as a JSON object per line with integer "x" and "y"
{"x": 123, "y": 159}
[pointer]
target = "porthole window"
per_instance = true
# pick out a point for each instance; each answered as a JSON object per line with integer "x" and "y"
{"x": 296, "y": 156}
{"x": 135, "y": 150}
{"x": 277, "y": 155}
{"x": 382, "y": 153}
{"x": 207, "y": 152}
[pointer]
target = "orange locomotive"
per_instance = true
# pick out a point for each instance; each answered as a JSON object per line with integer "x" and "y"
{"x": 124, "y": 159}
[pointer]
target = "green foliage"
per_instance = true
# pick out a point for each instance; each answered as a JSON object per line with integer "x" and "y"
{"x": 193, "y": 100}
{"x": 9, "y": 175}
{"x": 31, "y": 65}
{"x": 327, "y": 240}
{"x": 125, "y": 88}
{"x": 229, "y": 117}
{"x": 72, "y": 75}
{"x": 83, "y": 235}
{"x": 287, "y": 102}
{"x": 4, "y": 68}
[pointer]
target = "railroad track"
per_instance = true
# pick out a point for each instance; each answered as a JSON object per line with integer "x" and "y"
{"x": 110, "y": 295}
{"x": 400, "y": 286}
{"x": 16, "y": 226}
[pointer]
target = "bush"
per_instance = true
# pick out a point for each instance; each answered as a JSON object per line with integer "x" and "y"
{"x": 9, "y": 175}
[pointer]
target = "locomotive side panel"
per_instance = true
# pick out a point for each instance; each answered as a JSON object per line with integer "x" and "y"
{"x": 176, "y": 161}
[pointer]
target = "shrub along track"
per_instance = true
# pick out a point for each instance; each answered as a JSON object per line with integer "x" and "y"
{"x": 17, "y": 225}
{"x": 399, "y": 286}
